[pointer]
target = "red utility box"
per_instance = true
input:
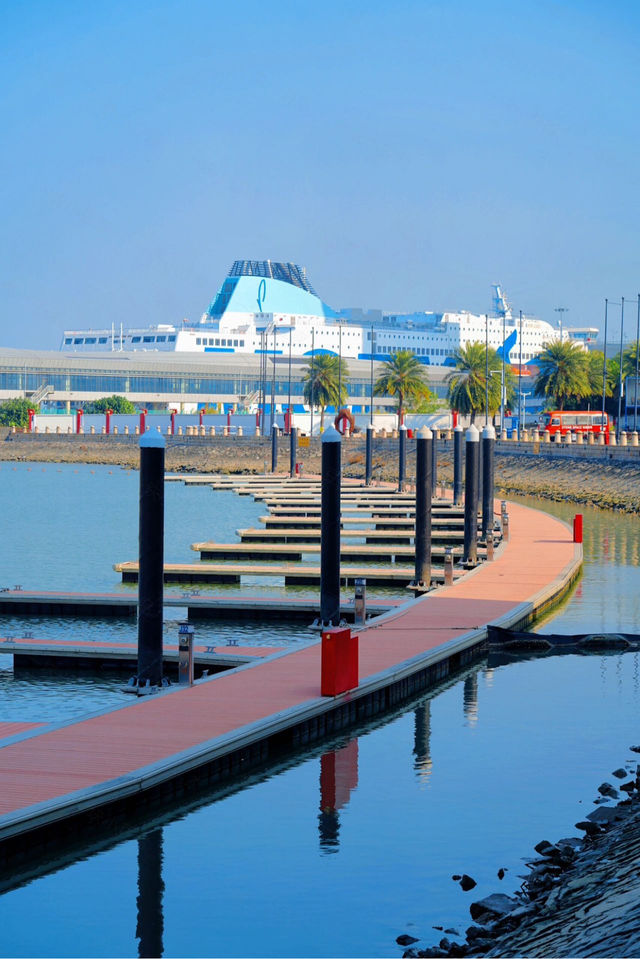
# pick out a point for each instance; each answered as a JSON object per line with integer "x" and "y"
{"x": 577, "y": 528}
{"x": 339, "y": 661}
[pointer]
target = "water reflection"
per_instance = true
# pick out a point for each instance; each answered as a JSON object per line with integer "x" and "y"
{"x": 338, "y": 779}
{"x": 470, "y": 699}
{"x": 150, "y": 924}
{"x": 422, "y": 741}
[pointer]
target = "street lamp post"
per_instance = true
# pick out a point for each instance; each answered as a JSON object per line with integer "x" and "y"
{"x": 372, "y": 352}
{"x": 502, "y": 396}
{"x": 620, "y": 375}
{"x": 486, "y": 369}
{"x": 520, "y": 379}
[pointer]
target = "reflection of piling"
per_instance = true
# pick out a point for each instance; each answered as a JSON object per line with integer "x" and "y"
{"x": 424, "y": 494}
{"x": 151, "y": 552}
{"x": 422, "y": 740}
{"x": 457, "y": 466}
{"x": 402, "y": 456}
{"x": 470, "y": 698}
{"x": 338, "y": 779}
{"x": 470, "y": 548}
{"x": 150, "y": 925}
{"x": 488, "y": 452}
{"x": 274, "y": 448}
{"x": 368, "y": 460}
{"x": 330, "y": 529}
{"x": 293, "y": 450}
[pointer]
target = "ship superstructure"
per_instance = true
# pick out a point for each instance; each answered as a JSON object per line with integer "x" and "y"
{"x": 264, "y": 306}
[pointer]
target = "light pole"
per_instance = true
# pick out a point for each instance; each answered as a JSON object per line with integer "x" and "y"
{"x": 524, "y": 409}
{"x": 372, "y": 352}
{"x": 561, "y": 310}
{"x": 620, "y": 376}
{"x": 339, "y": 366}
{"x": 520, "y": 379}
{"x": 312, "y": 390}
{"x": 289, "y": 398}
{"x": 502, "y": 396}
{"x": 486, "y": 369}
{"x": 604, "y": 361}
{"x": 635, "y": 398}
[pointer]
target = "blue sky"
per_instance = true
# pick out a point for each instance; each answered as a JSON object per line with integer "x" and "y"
{"x": 408, "y": 154}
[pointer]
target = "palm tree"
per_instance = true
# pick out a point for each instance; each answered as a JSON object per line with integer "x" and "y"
{"x": 467, "y": 392}
{"x": 323, "y": 382}
{"x": 404, "y": 376}
{"x": 563, "y": 372}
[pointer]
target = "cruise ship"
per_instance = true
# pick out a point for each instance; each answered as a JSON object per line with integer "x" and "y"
{"x": 270, "y": 307}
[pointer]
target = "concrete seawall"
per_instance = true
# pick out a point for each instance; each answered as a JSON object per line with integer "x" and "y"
{"x": 608, "y": 477}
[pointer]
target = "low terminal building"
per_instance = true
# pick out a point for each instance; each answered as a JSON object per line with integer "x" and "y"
{"x": 183, "y": 381}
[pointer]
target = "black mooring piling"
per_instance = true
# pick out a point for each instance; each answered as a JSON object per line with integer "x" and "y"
{"x": 151, "y": 557}
{"x": 368, "y": 460}
{"x": 457, "y": 465}
{"x": 330, "y": 528}
{"x": 424, "y": 495}
{"x": 470, "y": 549}
{"x": 488, "y": 462}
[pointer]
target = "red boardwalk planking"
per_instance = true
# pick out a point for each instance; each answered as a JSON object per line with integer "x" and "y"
{"x": 96, "y": 750}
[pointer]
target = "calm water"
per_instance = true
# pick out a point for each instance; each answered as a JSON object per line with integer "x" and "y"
{"x": 468, "y": 779}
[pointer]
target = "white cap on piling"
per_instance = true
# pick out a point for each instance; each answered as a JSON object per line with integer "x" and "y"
{"x": 424, "y": 433}
{"x": 151, "y": 439}
{"x": 472, "y": 435}
{"x": 331, "y": 435}
{"x": 403, "y": 427}
{"x": 457, "y": 429}
{"x": 488, "y": 432}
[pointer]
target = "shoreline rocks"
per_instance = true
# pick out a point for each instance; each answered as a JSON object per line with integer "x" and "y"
{"x": 578, "y": 899}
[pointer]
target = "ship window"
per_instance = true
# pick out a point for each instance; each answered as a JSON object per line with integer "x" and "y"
{"x": 198, "y": 341}
{"x": 78, "y": 339}
{"x": 241, "y": 342}
{"x": 217, "y": 342}
{"x": 148, "y": 339}
{"x": 172, "y": 339}
{"x": 135, "y": 339}
{"x": 90, "y": 339}
{"x": 235, "y": 342}
{"x": 67, "y": 341}
{"x": 102, "y": 339}
{"x": 160, "y": 339}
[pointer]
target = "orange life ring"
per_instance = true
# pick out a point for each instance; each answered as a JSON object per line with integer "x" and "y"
{"x": 344, "y": 416}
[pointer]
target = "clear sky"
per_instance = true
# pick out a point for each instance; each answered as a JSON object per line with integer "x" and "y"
{"x": 408, "y": 154}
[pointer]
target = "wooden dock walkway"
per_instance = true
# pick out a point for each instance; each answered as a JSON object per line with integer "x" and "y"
{"x": 230, "y": 605}
{"x": 294, "y": 574}
{"x": 48, "y": 653}
{"x": 60, "y": 776}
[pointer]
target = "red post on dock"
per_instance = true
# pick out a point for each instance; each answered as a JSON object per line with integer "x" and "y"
{"x": 173, "y": 422}
{"x": 339, "y": 661}
{"x": 577, "y": 528}
{"x": 229, "y": 421}
{"x": 31, "y": 413}
{"x": 79, "y": 415}
{"x": 201, "y": 417}
{"x": 107, "y": 425}
{"x": 143, "y": 422}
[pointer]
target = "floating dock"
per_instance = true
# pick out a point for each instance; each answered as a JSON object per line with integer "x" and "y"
{"x": 57, "y": 780}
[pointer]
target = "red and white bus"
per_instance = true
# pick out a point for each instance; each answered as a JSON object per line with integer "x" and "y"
{"x": 574, "y": 421}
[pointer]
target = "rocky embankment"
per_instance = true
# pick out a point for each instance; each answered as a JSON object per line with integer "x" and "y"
{"x": 579, "y": 897}
{"x": 607, "y": 483}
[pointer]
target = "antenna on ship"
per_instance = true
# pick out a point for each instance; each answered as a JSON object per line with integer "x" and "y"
{"x": 500, "y": 305}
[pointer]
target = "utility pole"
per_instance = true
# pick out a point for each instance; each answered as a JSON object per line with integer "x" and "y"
{"x": 561, "y": 310}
